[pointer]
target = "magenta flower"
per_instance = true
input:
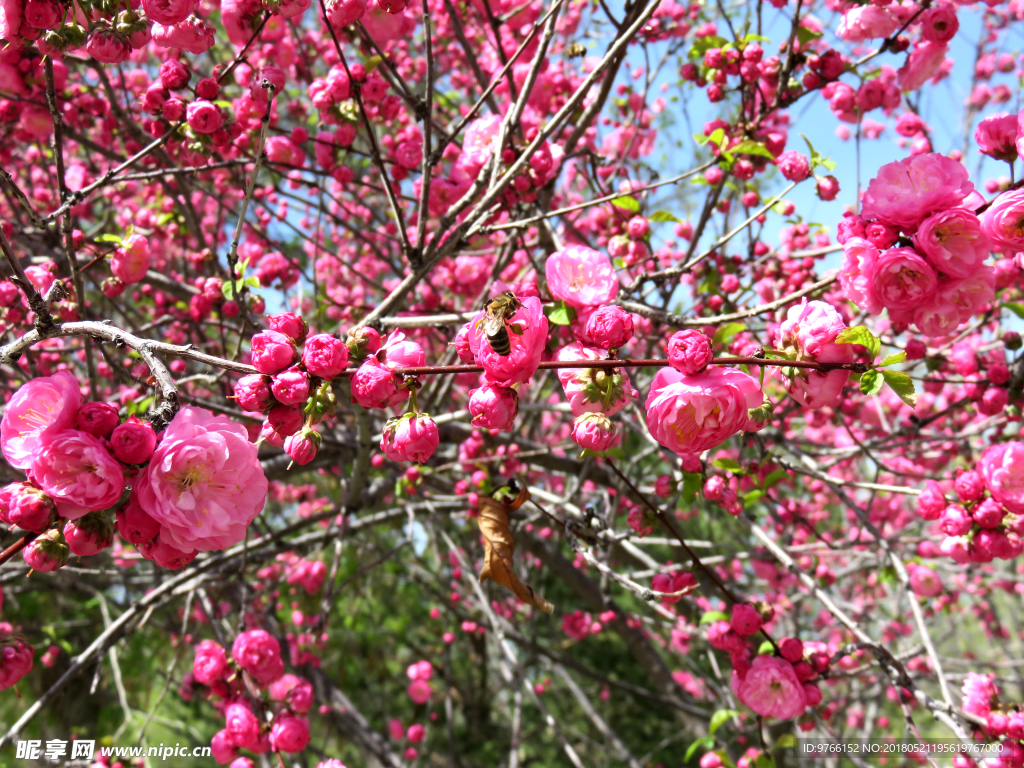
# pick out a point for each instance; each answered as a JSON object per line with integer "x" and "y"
{"x": 493, "y": 406}
{"x": 15, "y": 659}
{"x": 289, "y": 733}
{"x": 165, "y": 554}
{"x": 953, "y": 241}
{"x": 401, "y": 352}
{"x": 809, "y": 333}
{"x": 609, "y": 327}
{"x": 134, "y": 523}
{"x": 1001, "y": 221}
{"x": 30, "y": 508}
{"x": 375, "y": 386}
{"x": 89, "y": 535}
{"x": 593, "y": 390}
{"x": 291, "y": 387}
{"x": 241, "y": 725}
{"x": 901, "y": 279}
{"x": 44, "y": 405}
{"x": 210, "y": 664}
{"x": 412, "y": 437}
{"x": 997, "y": 136}
{"x": 1002, "y": 467}
{"x": 794, "y": 165}
{"x": 134, "y": 441}
{"x": 690, "y": 414}
{"x": 259, "y": 654}
{"x": 252, "y": 393}
{"x": 204, "y": 484}
{"x": 581, "y": 276}
{"x": 905, "y": 192}
{"x": 325, "y": 356}
{"x": 867, "y": 22}
{"x": 46, "y": 553}
{"x": 594, "y": 432}
{"x": 923, "y": 63}
{"x": 770, "y": 688}
{"x": 528, "y": 332}
{"x": 289, "y": 324}
{"x": 78, "y": 472}
{"x": 689, "y": 351}
{"x": 193, "y": 35}
{"x": 204, "y": 116}
{"x": 272, "y": 352}
{"x": 168, "y": 11}
{"x": 97, "y": 418}
{"x": 925, "y": 582}
{"x": 108, "y": 46}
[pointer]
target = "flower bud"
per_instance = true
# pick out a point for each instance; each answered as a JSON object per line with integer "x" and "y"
{"x": 325, "y": 356}
{"x": 272, "y": 352}
{"x": 610, "y": 327}
{"x": 135, "y": 524}
{"x": 31, "y": 509}
{"x": 89, "y": 535}
{"x": 362, "y": 342}
{"x": 47, "y": 552}
{"x": 302, "y": 447}
{"x": 252, "y": 393}
{"x": 493, "y": 406}
{"x": 289, "y": 324}
{"x": 689, "y": 351}
{"x": 594, "y": 432}
{"x": 412, "y": 437}
{"x": 291, "y": 387}
{"x": 134, "y": 441}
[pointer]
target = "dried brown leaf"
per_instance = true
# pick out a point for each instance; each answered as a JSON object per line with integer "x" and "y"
{"x": 499, "y": 548}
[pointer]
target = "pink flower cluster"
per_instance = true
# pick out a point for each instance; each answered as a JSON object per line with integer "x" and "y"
{"x": 287, "y": 382}
{"x": 256, "y": 658}
{"x": 779, "y": 685}
{"x": 918, "y": 249}
{"x": 809, "y": 333}
{"x": 988, "y": 521}
{"x": 594, "y": 394}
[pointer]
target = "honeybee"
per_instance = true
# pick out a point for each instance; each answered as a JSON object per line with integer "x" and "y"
{"x": 576, "y": 51}
{"x": 497, "y": 312}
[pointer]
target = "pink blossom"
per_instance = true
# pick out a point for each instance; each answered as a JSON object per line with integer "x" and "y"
{"x": 303, "y": 446}
{"x": 89, "y": 535}
{"x": 419, "y": 691}
{"x": 493, "y": 406}
{"x": 30, "y": 508}
{"x": 528, "y": 331}
{"x": 1002, "y": 467}
{"x": 997, "y": 135}
{"x": 289, "y": 324}
{"x": 193, "y": 35}
{"x": 856, "y": 271}
{"x": 412, "y": 437}
{"x": 478, "y": 142}
{"x": 10, "y": 22}
{"x": 108, "y": 46}
{"x": 594, "y": 432}
{"x": 905, "y": 192}
{"x": 581, "y": 276}
{"x": 770, "y": 688}
{"x": 15, "y": 659}
{"x": 923, "y": 63}
{"x": 204, "y": 117}
{"x": 342, "y": 13}
{"x": 953, "y": 241}
{"x": 291, "y": 386}
{"x": 272, "y": 352}
{"x": 47, "y": 552}
{"x": 211, "y": 662}
{"x": 939, "y": 23}
{"x": 252, "y": 393}
{"x": 241, "y": 725}
{"x": 867, "y": 22}
{"x": 809, "y": 333}
{"x": 970, "y": 295}
{"x": 690, "y": 414}
{"x": 401, "y": 352}
{"x": 204, "y": 484}
{"x": 78, "y": 472}
{"x": 325, "y": 356}
{"x": 134, "y": 441}
{"x": 689, "y": 351}
{"x": 165, "y": 554}
{"x": 168, "y": 11}
{"x": 222, "y": 748}
{"x": 375, "y": 386}
{"x": 44, "y": 405}
{"x": 1002, "y": 221}
{"x": 979, "y": 693}
{"x": 97, "y": 418}
{"x": 593, "y": 390}
{"x": 259, "y": 654}
{"x": 793, "y": 165}
{"x": 289, "y": 733}
{"x": 298, "y": 693}
{"x": 134, "y": 523}
{"x": 609, "y": 327}
{"x": 925, "y": 582}
{"x": 902, "y": 280}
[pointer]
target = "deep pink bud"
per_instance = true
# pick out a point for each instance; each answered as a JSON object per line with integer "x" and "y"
{"x": 272, "y": 352}
{"x": 689, "y": 351}
{"x": 325, "y": 356}
{"x": 609, "y": 327}
{"x": 252, "y": 393}
{"x": 134, "y": 523}
{"x": 291, "y": 387}
{"x": 594, "y": 432}
{"x": 30, "y": 508}
{"x": 969, "y": 486}
{"x": 303, "y": 446}
{"x": 791, "y": 649}
{"x": 89, "y": 535}
{"x": 290, "y": 324}
{"x": 134, "y": 441}
{"x": 745, "y": 619}
{"x": 97, "y": 418}
{"x": 412, "y": 437}
{"x": 47, "y": 552}
{"x": 493, "y": 406}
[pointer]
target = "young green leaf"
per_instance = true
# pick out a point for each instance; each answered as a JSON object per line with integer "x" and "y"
{"x": 897, "y": 357}
{"x": 858, "y": 334}
{"x": 871, "y": 382}
{"x": 626, "y": 203}
{"x": 710, "y": 617}
{"x": 724, "y": 334}
{"x": 560, "y": 313}
{"x": 720, "y": 718}
{"x": 751, "y": 148}
{"x": 1017, "y": 309}
{"x": 692, "y": 482}
{"x": 659, "y": 216}
{"x": 729, "y": 465}
{"x": 902, "y": 385}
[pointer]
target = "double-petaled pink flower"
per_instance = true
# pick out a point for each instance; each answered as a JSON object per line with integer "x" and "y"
{"x": 905, "y": 192}
{"x": 581, "y": 276}
{"x": 44, "y": 405}
{"x": 528, "y": 333}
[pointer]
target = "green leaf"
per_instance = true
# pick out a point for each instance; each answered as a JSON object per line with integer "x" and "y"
{"x": 704, "y": 44}
{"x": 752, "y": 496}
{"x": 692, "y": 483}
{"x": 805, "y": 35}
{"x": 710, "y": 617}
{"x": 560, "y": 313}
{"x": 729, "y": 465}
{"x": 720, "y": 718}
{"x": 764, "y": 761}
{"x": 858, "y": 334}
{"x": 1017, "y": 309}
{"x": 898, "y": 357}
{"x": 751, "y": 148}
{"x": 765, "y": 647}
{"x": 902, "y": 385}
{"x": 752, "y": 38}
{"x": 626, "y": 203}
{"x": 372, "y": 63}
{"x": 785, "y": 741}
{"x": 707, "y": 743}
{"x": 659, "y": 216}
{"x": 816, "y": 158}
{"x": 774, "y": 477}
{"x": 109, "y": 238}
{"x": 871, "y": 381}
{"x": 716, "y": 137}
{"x": 724, "y": 334}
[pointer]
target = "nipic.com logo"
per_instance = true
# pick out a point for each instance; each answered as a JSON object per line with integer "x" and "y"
{"x": 54, "y": 750}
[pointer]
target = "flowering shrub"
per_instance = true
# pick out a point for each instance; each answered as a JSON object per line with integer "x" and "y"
{"x": 343, "y": 342}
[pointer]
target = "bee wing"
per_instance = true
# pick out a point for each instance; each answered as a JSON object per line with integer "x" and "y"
{"x": 492, "y": 324}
